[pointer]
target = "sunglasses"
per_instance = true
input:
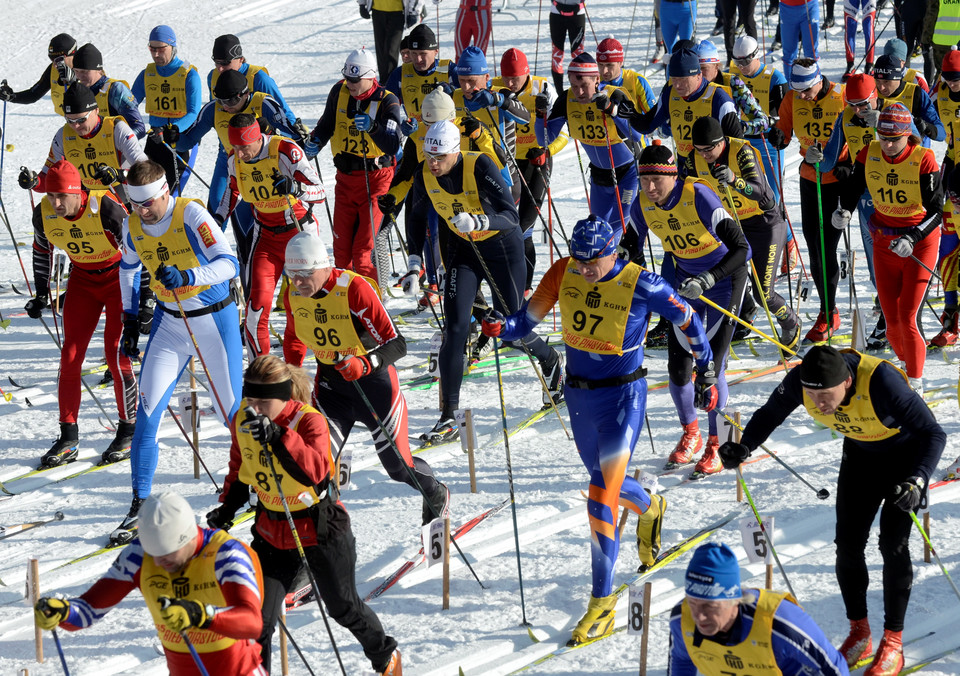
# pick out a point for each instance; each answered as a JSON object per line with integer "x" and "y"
{"x": 77, "y": 121}
{"x": 157, "y": 49}
{"x": 223, "y": 63}
{"x": 302, "y": 274}
{"x": 351, "y": 79}
{"x": 706, "y": 149}
{"x": 146, "y": 204}
{"x": 232, "y": 102}
{"x": 860, "y": 105}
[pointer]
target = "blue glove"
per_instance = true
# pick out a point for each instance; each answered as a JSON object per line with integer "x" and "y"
{"x": 408, "y": 126}
{"x": 363, "y": 122}
{"x": 410, "y": 20}
{"x": 485, "y": 98}
{"x": 311, "y": 148}
{"x": 172, "y": 278}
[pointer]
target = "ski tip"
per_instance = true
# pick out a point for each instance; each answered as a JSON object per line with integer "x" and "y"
{"x": 536, "y": 635}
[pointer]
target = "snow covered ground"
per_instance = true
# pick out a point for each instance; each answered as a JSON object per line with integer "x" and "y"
{"x": 304, "y": 44}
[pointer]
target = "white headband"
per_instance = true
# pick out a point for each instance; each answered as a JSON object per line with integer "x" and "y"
{"x": 142, "y": 193}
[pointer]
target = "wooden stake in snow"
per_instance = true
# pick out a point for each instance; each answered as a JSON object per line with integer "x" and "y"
{"x": 284, "y": 664}
{"x": 468, "y": 442}
{"x": 33, "y": 594}
{"x": 647, "y": 593}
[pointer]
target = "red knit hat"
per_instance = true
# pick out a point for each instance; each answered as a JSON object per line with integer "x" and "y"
{"x": 860, "y": 87}
{"x": 950, "y": 69}
{"x": 63, "y": 177}
{"x": 895, "y": 120}
{"x": 513, "y": 63}
{"x": 610, "y": 51}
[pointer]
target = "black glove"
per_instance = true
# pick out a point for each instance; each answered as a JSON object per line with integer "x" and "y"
{"x": 261, "y": 428}
{"x": 35, "y": 305}
{"x": 777, "y": 138}
{"x": 410, "y": 20}
{"x": 732, "y": 454}
{"x": 221, "y": 518}
{"x": 610, "y": 104}
{"x": 471, "y": 127}
{"x": 302, "y": 131}
{"x": 168, "y": 134}
{"x": 182, "y": 614}
{"x": 909, "y": 494}
{"x": 284, "y": 185}
{"x": 723, "y": 174}
{"x": 27, "y": 179}
{"x": 130, "y": 336}
{"x": 387, "y": 204}
{"x": 6, "y": 93}
{"x": 540, "y": 104}
{"x": 364, "y": 12}
{"x": 842, "y": 172}
{"x": 145, "y": 315}
{"x": 172, "y": 277}
{"x": 106, "y": 174}
{"x": 65, "y": 73}
{"x": 538, "y": 156}
{"x": 705, "y": 394}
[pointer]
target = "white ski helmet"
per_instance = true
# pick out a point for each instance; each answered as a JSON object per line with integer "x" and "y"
{"x": 745, "y": 47}
{"x": 360, "y": 63}
{"x": 306, "y": 251}
{"x": 442, "y": 138}
{"x": 436, "y": 106}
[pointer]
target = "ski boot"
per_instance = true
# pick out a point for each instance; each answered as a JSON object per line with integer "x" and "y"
{"x": 480, "y": 348}
{"x": 821, "y": 331}
{"x": 106, "y": 380}
{"x": 858, "y": 643}
{"x": 773, "y": 9}
{"x": 776, "y": 45}
{"x": 829, "y": 22}
{"x": 127, "y": 530}
{"x": 868, "y": 68}
{"x": 446, "y": 429}
{"x": 660, "y": 52}
{"x": 438, "y": 505}
{"x": 709, "y": 463}
{"x": 119, "y": 448}
{"x": 790, "y": 258}
{"x": 953, "y": 471}
{"x": 65, "y": 449}
{"x": 686, "y": 448}
{"x": 741, "y": 332}
{"x": 888, "y": 661}
{"x": 393, "y": 668}
{"x": 431, "y": 296}
{"x": 554, "y": 378}
{"x": 790, "y": 338}
{"x": 916, "y": 384}
{"x": 649, "y": 525}
{"x": 877, "y": 340}
{"x": 948, "y": 334}
{"x": 717, "y": 28}
{"x": 657, "y": 336}
{"x": 597, "y": 621}
{"x": 848, "y": 72}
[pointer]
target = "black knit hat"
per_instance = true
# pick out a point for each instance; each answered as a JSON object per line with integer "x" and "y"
{"x": 227, "y": 48}
{"x": 61, "y": 45}
{"x": 78, "y": 99}
{"x": 888, "y": 67}
{"x": 230, "y": 83}
{"x": 706, "y": 131}
{"x": 656, "y": 159}
{"x": 823, "y": 367}
{"x": 88, "y": 57}
{"x": 421, "y": 37}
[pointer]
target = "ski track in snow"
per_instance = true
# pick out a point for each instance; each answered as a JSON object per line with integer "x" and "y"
{"x": 304, "y": 47}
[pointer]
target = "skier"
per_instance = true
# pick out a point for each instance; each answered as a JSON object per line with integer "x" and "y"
{"x": 718, "y": 624}
{"x": 810, "y": 112}
{"x": 361, "y": 121}
{"x": 474, "y": 24}
{"x": 228, "y": 55}
{"x": 754, "y": 119}
{"x": 867, "y": 11}
{"x": 390, "y": 17}
{"x": 897, "y": 48}
{"x": 949, "y": 254}
{"x": 233, "y": 97}
{"x": 747, "y": 24}
{"x": 171, "y": 91}
{"x": 800, "y": 23}
{"x": 87, "y": 225}
{"x": 605, "y": 388}
{"x": 677, "y": 20}
{"x": 339, "y": 316}
{"x": 733, "y": 167}
{"x": 903, "y": 180}
{"x": 481, "y": 242}
{"x": 194, "y": 266}
{"x": 198, "y": 583}
{"x": 276, "y": 419}
{"x": 947, "y": 102}
{"x": 711, "y": 255}
{"x": 55, "y": 79}
{"x": 893, "y": 87}
{"x": 610, "y": 57}
{"x": 892, "y": 444}
{"x": 567, "y": 22}
{"x": 281, "y": 210}
{"x": 113, "y": 96}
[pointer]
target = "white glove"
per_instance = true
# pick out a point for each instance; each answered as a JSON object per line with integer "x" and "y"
{"x": 871, "y": 118}
{"x": 840, "y": 219}
{"x": 903, "y": 246}
{"x": 694, "y": 287}
{"x": 814, "y": 154}
{"x": 467, "y": 223}
{"x": 410, "y": 282}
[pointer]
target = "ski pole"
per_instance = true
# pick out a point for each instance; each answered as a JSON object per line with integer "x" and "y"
{"x": 194, "y": 654}
{"x": 825, "y": 296}
{"x": 763, "y": 529}
{"x": 9, "y": 531}
{"x": 932, "y": 549}
{"x": 536, "y": 49}
{"x": 778, "y": 173}
{"x": 283, "y": 626}
{"x": 13, "y": 238}
{"x": 326, "y": 202}
{"x": 583, "y": 177}
{"x": 193, "y": 447}
{"x": 186, "y": 165}
{"x": 613, "y": 172}
{"x": 203, "y": 363}
{"x": 822, "y": 493}
{"x": 296, "y": 538}
{"x": 924, "y": 266}
{"x": 56, "y": 636}
{"x": 381, "y": 274}
{"x": 747, "y": 325}
{"x": 413, "y": 477}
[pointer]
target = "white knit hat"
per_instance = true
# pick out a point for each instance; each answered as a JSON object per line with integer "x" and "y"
{"x": 166, "y": 523}
{"x": 442, "y": 138}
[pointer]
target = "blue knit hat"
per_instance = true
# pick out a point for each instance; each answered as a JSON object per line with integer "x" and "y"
{"x": 713, "y": 573}
{"x": 593, "y": 238}
{"x": 804, "y": 77}
{"x": 164, "y": 34}
{"x": 472, "y": 62}
{"x": 708, "y": 52}
{"x": 896, "y": 47}
{"x": 684, "y": 63}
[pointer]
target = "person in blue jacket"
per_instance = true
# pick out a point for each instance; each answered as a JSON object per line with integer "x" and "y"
{"x": 113, "y": 96}
{"x": 718, "y": 626}
{"x": 605, "y": 303}
{"x": 172, "y": 94}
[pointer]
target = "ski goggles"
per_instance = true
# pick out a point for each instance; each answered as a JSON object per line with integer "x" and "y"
{"x": 144, "y": 196}
{"x": 233, "y": 101}
{"x": 77, "y": 121}
{"x": 302, "y": 273}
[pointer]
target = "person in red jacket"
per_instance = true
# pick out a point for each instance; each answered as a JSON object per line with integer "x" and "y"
{"x": 274, "y": 418}
{"x": 217, "y": 610}
{"x": 474, "y": 25}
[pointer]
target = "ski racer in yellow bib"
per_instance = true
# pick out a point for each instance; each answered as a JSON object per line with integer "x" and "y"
{"x": 54, "y": 79}
{"x": 720, "y": 629}
{"x": 891, "y": 447}
{"x": 199, "y": 584}
{"x": 113, "y": 96}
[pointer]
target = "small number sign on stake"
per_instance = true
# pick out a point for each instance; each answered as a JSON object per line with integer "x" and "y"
{"x": 346, "y": 466}
{"x": 433, "y": 536}
{"x": 649, "y": 482}
{"x": 433, "y": 365}
{"x": 635, "y": 616}
{"x": 755, "y": 541}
